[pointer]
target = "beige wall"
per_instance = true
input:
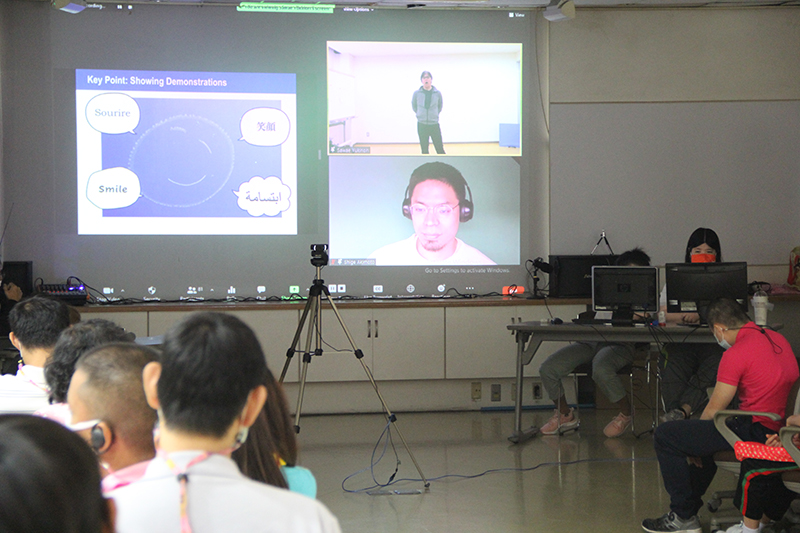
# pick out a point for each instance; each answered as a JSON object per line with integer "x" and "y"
{"x": 682, "y": 55}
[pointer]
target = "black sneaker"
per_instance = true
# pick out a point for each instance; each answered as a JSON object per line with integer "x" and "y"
{"x": 675, "y": 414}
{"x": 672, "y": 523}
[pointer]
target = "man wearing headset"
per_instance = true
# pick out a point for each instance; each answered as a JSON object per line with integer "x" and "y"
{"x": 109, "y": 410}
{"x": 437, "y": 201}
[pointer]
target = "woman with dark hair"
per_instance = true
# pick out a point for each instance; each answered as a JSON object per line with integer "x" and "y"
{"x": 50, "y": 480}
{"x": 269, "y": 454}
{"x": 688, "y": 369}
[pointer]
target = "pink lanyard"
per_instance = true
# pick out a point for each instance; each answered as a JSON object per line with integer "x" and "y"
{"x": 183, "y": 479}
{"x": 22, "y": 373}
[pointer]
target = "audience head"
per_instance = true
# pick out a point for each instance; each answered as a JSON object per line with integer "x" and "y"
{"x": 50, "y": 479}
{"x": 107, "y": 387}
{"x": 37, "y": 321}
{"x": 74, "y": 342}
{"x": 209, "y": 376}
{"x": 704, "y": 242}
{"x": 726, "y": 314}
{"x": 635, "y": 257}
{"x": 271, "y": 437}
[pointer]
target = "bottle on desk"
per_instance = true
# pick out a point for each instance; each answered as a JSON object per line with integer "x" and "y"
{"x": 662, "y": 318}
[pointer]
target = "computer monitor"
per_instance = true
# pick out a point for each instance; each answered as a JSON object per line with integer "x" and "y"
{"x": 625, "y": 290}
{"x": 692, "y": 286}
{"x": 572, "y": 274}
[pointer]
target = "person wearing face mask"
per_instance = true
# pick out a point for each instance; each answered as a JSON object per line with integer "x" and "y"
{"x": 760, "y": 368}
{"x": 687, "y": 369}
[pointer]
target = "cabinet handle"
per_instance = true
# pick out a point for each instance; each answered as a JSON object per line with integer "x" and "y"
{"x": 376, "y": 329}
{"x": 369, "y": 329}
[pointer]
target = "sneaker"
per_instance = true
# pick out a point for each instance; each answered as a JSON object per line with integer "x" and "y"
{"x": 735, "y": 528}
{"x": 672, "y": 523}
{"x": 675, "y": 414}
{"x": 567, "y": 422}
{"x": 617, "y": 426}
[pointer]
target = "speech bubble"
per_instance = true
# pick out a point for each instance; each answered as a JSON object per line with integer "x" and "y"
{"x": 113, "y": 188}
{"x": 263, "y": 196}
{"x": 113, "y": 113}
{"x": 265, "y": 126}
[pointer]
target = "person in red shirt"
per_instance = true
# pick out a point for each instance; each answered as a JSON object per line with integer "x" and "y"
{"x": 758, "y": 366}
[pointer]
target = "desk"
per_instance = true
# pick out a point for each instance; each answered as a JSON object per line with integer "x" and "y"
{"x": 531, "y": 335}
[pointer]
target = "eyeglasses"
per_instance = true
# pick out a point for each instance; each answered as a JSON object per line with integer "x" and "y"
{"x": 442, "y": 210}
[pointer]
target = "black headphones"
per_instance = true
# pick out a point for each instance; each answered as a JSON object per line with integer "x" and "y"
{"x": 466, "y": 207}
{"x": 97, "y": 439}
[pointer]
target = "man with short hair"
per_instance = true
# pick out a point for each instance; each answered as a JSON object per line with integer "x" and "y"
{"x": 208, "y": 389}
{"x": 761, "y": 368}
{"x": 427, "y": 104}
{"x": 110, "y": 411}
{"x": 35, "y": 325}
{"x": 437, "y": 203}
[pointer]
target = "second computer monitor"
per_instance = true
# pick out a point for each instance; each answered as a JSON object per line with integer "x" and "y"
{"x": 625, "y": 289}
{"x": 692, "y": 286}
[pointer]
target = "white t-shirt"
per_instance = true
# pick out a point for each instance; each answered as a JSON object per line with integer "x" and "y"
{"x": 25, "y": 392}
{"x": 219, "y": 498}
{"x": 405, "y": 253}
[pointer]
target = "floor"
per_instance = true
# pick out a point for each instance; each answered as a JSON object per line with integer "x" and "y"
{"x": 449, "y": 148}
{"x": 578, "y": 482}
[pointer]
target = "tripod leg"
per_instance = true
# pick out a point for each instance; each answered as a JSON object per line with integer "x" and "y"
{"x": 389, "y": 415}
{"x": 293, "y": 348}
{"x": 313, "y": 303}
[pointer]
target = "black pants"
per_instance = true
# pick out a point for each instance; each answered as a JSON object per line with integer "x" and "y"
{"x": 761, "y": 491}
{"x": 675, "y": 441}
{"x": 432, "y": 132}
{"x": 687, "y": 370}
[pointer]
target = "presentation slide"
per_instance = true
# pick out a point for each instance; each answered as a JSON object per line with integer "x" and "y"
{"x": 186, "y": 153}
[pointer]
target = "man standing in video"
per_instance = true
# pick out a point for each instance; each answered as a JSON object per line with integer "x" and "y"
{"x": 427, "y": 104}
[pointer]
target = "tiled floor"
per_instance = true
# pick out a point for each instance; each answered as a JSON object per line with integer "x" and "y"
{"x": 585, "y": 482}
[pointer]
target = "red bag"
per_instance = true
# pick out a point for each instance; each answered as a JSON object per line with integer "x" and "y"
{"x": 756, "y": 450}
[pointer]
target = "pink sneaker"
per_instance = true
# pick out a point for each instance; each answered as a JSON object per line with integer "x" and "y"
{"x": 617, "y": 426}
{"x": 567, "y": 423}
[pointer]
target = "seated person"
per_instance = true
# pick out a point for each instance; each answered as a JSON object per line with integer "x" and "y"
{"x": 50, "y": 479}
{"x": 761, "y": 368}
{"x": 208, "y": 390}
{"x": 760, "y": 494}
{"x": 689, "y": 369}
{"x": 606, "y": 358}
{"x": 35, "y": 325}
{"x": 109, "y": 410}
{"x": 436, "y": 202}
{"x": 269, "y": 454}
{"x": 72, "y": 343}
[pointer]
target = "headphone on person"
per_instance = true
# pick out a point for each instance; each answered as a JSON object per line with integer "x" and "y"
{"x": 466, "y": 207}
{"x": 97, "y": 439}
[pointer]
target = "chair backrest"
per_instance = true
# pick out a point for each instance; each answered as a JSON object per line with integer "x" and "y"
{"x": 793, "y": 400}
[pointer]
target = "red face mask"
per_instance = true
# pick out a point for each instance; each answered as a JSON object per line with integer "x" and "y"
{"x": 704, "y": 258}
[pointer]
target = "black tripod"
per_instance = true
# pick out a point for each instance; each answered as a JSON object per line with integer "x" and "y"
{"x": 319, "y": 258}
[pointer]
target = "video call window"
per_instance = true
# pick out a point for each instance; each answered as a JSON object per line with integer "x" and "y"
{"x": 389, "y": 98}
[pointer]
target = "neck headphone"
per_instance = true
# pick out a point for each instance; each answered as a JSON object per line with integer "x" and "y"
{"x": 465, "y": 207}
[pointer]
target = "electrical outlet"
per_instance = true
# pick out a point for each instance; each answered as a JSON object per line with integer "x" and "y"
{"x": 496, "y": 392}
{"x": 476, "y": 390}
{"x": 537, "y": 391}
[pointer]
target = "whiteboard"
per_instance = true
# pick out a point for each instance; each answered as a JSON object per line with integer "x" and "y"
{"x": 650, "y": 173}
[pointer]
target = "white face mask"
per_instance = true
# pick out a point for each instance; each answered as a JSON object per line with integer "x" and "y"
{"x": 722, "y": 342}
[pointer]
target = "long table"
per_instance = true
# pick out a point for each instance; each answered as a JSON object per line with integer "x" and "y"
{"x": 531, "y": 335}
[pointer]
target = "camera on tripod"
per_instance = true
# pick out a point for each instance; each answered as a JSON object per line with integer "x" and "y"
{"x": 319, "y": 255}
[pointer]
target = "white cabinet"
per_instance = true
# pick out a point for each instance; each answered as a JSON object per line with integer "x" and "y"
{"x": 273, "y": 328}
{"x": 132, "y": 321}
{"x": 398, "y": 344}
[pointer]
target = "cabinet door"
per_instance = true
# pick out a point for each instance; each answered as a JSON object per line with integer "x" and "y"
{"x": 338, "y": 363}
{"x": 478, "y": 344}
{"x": 408, "y": 343}
{"x": 274, "y": 330}
{"x": 133, "y": 321}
